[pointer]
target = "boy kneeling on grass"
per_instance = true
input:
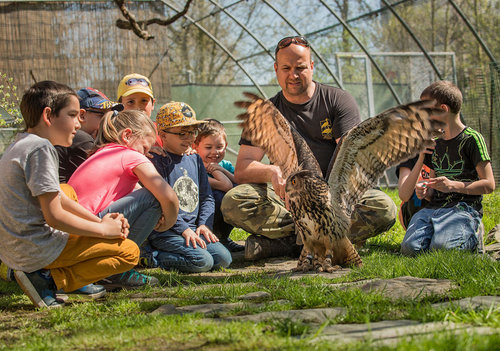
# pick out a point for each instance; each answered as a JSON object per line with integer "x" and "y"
{"x": 36, "y": 217}
{"x": 460, "y": 174}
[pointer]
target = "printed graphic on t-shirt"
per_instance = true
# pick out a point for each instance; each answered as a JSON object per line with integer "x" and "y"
{"x": 326, "y": 129}
{"x": 444, "y": 167}
{"x": 187, "y": 192}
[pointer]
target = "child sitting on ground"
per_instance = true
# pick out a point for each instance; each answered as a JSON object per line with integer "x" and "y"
{"x": 460, "y": 173}
{"x": 93, "y": 105}
{"x": 105, "y": 183}
{"x": 211, "y": 144}
{"x": 409, "y": 173}
{"x": 135, "y": 92}
{"x": 36, "y": 216}
{"x": 189, "y": 246}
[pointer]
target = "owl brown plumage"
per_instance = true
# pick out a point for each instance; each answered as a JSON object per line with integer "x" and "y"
{"x": 322, "y": 211}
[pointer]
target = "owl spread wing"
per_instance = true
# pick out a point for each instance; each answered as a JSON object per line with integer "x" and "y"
{"x": 374, "y": 145}
{"x": 266, "y": 128}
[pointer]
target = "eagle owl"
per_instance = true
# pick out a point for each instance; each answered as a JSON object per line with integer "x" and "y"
{"x": 322, "y": 211}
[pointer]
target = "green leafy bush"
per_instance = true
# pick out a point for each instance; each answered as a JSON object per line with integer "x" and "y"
{"x": 10, "y": 116}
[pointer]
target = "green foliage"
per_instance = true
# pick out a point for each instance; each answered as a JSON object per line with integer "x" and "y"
{"x": 10, "y": 115}
{"x": 123, "y": 320}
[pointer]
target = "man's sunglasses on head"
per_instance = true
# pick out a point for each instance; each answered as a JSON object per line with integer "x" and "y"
{"x": 287, "y": 41}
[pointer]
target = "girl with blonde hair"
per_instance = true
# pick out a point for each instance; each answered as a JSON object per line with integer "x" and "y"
{"x": 107, "y": 182}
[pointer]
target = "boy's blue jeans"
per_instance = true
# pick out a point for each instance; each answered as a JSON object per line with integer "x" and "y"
{"x": 142, "y": 211}
{"x": 173, "y": 254}
{"x": 442, "y": 228}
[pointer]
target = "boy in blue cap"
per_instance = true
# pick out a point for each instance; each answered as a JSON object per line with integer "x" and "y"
{"x": 93, "y": 105}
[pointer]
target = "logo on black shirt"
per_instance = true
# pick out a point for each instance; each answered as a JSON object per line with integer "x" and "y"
{"x": 326, "y": 129}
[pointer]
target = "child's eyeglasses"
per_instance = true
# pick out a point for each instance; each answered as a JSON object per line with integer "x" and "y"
{"x": 184, "y": 135}
{"x": 137, "y": 81}
{"x": 287, "y": 41}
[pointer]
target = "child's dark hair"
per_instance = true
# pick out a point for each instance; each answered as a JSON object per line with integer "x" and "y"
{"x": 44, "y": 94}
{"x": 213, "y": 127}
{"x": 445, "y": 92}
{"x": 112, "y": 125}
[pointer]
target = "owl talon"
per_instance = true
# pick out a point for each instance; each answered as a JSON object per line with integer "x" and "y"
{"x": 304, "y": 264}
{"x": 332, "y": 269}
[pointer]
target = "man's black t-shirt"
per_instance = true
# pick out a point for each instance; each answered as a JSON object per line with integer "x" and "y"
{"x": 329, "y": 114}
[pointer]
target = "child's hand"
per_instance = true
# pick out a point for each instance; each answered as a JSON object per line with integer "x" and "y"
{"x": 115, "y": 226}
{"x": 421, "y": 190}
{"x": 442, "y": 184}
{"x": 193, "y": 238}
{"x": 429, "y": 149}
{"x": 212, "y": 167}
{"x": 190, "y": 151}
{"x": 161, "y": 226}
{"x": 155, "y": 149}
{"x": 207, "y": 233}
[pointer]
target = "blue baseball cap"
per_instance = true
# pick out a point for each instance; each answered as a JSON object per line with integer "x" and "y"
{"x": 93, "y": 98}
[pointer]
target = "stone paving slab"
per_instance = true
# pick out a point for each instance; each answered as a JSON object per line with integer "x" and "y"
{"x": 402, "y": 287}
{"x": 493, "y": 251}
{"x": 212, "y": 308}
{"x": 276, "y": 267}
{"x": 256, "y": 295}
{"x": 476, "y": 302}
{"x": 393, "y": 331}
{"x": 314, "y": 316}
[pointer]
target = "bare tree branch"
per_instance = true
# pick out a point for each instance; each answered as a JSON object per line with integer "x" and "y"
{"x": 139, "y": 27}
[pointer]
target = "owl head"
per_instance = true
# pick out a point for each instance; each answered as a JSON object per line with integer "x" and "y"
{"x": 304, "y": 180}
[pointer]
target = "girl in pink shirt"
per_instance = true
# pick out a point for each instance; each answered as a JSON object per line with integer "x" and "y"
{"x": 107, "y": 182}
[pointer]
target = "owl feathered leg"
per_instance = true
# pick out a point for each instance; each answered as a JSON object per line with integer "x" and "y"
{"x": 344, "y": 253}
{"x": 305, "y": 262}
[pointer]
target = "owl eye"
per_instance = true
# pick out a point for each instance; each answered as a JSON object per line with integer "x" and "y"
{"x": 293, "y": 181}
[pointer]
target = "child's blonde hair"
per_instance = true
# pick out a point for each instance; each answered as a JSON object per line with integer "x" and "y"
{"x": 213, "y": 127}
{"x": 112, "y": 125}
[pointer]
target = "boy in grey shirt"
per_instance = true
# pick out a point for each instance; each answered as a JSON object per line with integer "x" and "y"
{"x": 36, "y": 216}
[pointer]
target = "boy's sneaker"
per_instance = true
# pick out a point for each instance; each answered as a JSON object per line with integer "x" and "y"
{"x": 93, "y": 291}
{"x": 148, "y": 259}
{"x": 40, "y": 288}
{"x": 128, "y": 280}
{"x": 6, "y": 273}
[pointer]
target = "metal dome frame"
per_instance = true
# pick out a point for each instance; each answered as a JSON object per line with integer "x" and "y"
{"x": 342, "y": 22}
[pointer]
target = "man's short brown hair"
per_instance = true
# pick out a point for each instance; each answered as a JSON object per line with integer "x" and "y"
{"x": 444, "y": 92}
{"x": 41, "y": 95}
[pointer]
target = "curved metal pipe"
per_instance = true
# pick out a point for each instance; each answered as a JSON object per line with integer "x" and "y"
{"x": 474, "y": 32}
{"x": 408, "y": 29}
{"x": 219, "y": 44}
{"x": 355, "y": 37}
{"x": 312, "y": 48}
{"x": 261, "y": 44}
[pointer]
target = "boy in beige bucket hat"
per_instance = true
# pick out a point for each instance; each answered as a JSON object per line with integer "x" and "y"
{"x": 190, "y": 245}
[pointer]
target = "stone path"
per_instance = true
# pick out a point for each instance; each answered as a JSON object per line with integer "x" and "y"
{"x": 389, "y": 331}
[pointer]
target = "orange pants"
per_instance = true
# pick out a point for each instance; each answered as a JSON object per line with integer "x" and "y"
{"x": 86, "y": 259}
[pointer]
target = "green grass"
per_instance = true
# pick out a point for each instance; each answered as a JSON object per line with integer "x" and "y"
{"x": 123, "y": 321}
